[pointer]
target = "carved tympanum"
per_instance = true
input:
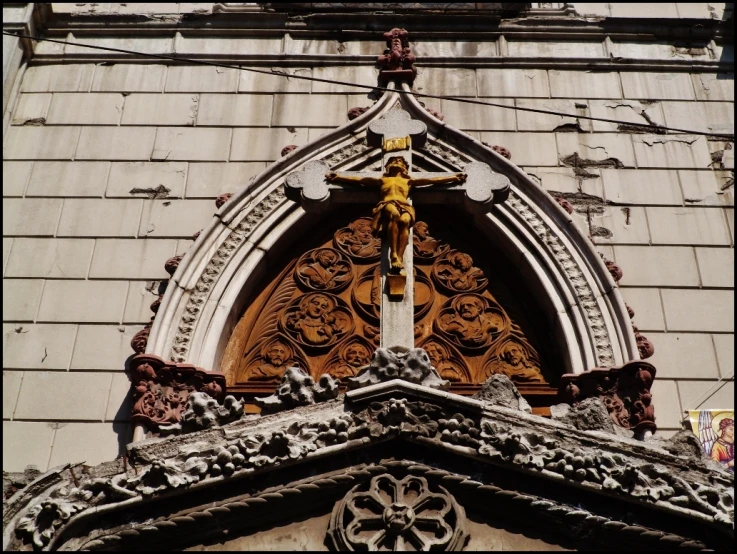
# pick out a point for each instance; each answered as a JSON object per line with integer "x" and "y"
{"x": 398, "y": 514}
{"x": 324, "y": 269}
{"x": 322, "y": 311}
{"x": 455, "y": 272}
{"x": 470, "y": 320}
{"x": 317, "y": 320}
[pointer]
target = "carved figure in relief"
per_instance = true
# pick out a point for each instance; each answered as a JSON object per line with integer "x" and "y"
{"x": 354, "y": 357}
{"x": 323, "y": 269}
{"x": 723, "y": 449}
{"x": 276, "y": 356}
{"x": 358, "y": 240}
{"x": 316, "y": 321}
{"x": 425, "y": 246}
{"x": 394, "y": 215}
{"x": 456, "y": 272}
{"x": 470, "y": 322}
{"x": 514, "y": 362}
{"x": 441, "y": 361}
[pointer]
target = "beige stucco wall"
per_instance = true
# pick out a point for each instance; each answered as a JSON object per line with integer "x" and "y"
{"x": 83, "y": 256}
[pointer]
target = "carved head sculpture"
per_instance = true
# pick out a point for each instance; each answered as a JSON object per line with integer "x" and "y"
{"x": 437, "y": 353}
{"x": 326, "y": 257}
{"x": 277, "y": 353}
{"x": 462, "y": 260}
{"x": 362, "y": 230}
{"x": 513, "y": 354}
{"x": 356, "y": 355}
{"x": 422, "y": 230}
{"x": 397, "y": 166}
{"x": 469, "y": 307}
{"x": 316, "y": 305}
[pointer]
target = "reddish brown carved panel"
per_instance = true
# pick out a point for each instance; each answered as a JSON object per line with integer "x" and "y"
{"x": 624, "y": 390}
{"x": 161, "y": 389}
{"x": 322, "y": 313}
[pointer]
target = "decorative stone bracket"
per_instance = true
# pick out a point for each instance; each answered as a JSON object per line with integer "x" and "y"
{"x": 624, "y": 390}
{"x": 161, "y": 389}
{"x": 397, "y": 62}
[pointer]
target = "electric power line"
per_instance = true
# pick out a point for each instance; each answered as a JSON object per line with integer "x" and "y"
{"x": 655, "y": 128}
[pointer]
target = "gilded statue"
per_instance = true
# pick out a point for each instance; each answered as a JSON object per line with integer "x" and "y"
{"x": 393, "y": 216}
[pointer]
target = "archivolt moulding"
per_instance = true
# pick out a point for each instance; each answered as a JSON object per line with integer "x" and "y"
{"x": 559, "y": 264}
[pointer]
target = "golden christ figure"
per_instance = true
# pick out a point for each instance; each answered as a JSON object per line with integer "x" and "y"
{"x": 394, "y": 216}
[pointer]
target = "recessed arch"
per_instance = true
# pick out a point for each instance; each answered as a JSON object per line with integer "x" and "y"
{"x": 558, "y": 263}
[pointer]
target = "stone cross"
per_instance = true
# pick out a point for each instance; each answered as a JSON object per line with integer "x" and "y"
{"x": 396, "y": 134}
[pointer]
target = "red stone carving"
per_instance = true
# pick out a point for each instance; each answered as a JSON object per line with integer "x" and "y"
{"x": 624, "y": 390}
{"x": 614, "y": 270}
{"x": 353, "y": 113}
{"x": 630, "y": 311}
{"x": 161, "y": 389}
{"x": 172, "y": 264}
{"x": 644, "y": 346}
{"x": 156, "y": 304}
{"x": 502, "y": 151}
{"x": 140, "y": 339}
{"x": 563, "y": 203}
{"x": 288, "y": 149}
{"x": 222, "y": 199}
{"x": 397, "y": 62}
{"x": 196, "y": 235}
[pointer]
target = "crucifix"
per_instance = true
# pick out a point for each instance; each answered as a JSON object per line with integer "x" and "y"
{"x": 393, "y": 217}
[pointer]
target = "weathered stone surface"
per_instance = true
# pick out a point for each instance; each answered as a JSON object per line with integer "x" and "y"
{"x": 260, "y": 82}
{"x": 20, "y": 299}
{"x": 82, "y": 301}
{"x": 160, "y": 109}
{"x": 47, "y": 396}
{"x": 203, "y": 411}
{"x": 724, "y": 345}
{"x": 31, "y": 108}
{"x": 638, "y": 186}
{"x": 657, "y": 86}
{"x": 589, "y": 415}
{"x": 531, "y": 121}
{"x": 692, "y": 226}
{"x": 175, "y": 218}
{"x": 92, "y": 443}
{"x": 85, "y": 109}
{"x": 362, "y": 75}
{"x": 38, "y": 346}
{"x": 139, "y": 300}
{"x": 30, "y": 217}
{"x": 716, "y": 266}
{"x": 11, "y": 386}
{"x": 706, "y": 395}
{"x": 189, "y": 45}
{"x": 615, "y": 225}
{"x": 535, "y": 149}
{"x": 707, "y": 187}
{"x": 58, "y": 78}
{"x": 398, "y": 362}
{"x": 129, "y": 78}
{"x": 36, "y": 438}
{"x": 131, "y": 259}
{"x": 699, "y": 310}
{"x": 15, "y": 481}
{"x": 498, "y": 390}
{"x": 669, "y": 413}
{"x": 113, "y": 218}
{"x": 229, "y": 110}
{"x": 150, "y": 44}
{"x": 632, "y": 111}
{"x": 717, "y": 117}
{"x": 580, "y": 84}
{"x": 474, "y": 117}
{"x": 66, "y": 258}
{"x": 120, "y": 402}
{"x": 188, "y": 78}
{"x": 447, "y": 82}
{"x": 516, "y": 83}
{"x": 191, "y": 144}
{"x": 103, "y": 347}
{"x": 68, "y": 179}
{"x": 315, "y": 110}
{"x": 648, "y": 308}
{"x": 209, "y": 180}
{"x": 681, "y": 151}
{"x": 146, "y": 180}
{"x": 714, "y": 86}
{"x": 654, "y": 266}
{"x": 557, "y": 49}
{"x": 115, "y": 143}
{"x": 40, "y": 143}
{"x": 255, "y": 145}
{"x": 15, "y": 177}
{"x": 684, "y": 356}
{"x": 613, "y": 149}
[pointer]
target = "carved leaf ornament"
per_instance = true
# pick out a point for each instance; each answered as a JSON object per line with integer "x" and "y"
{"x": 322, "y": 314}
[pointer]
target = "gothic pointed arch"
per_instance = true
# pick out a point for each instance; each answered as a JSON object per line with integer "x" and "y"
{"x": 219, "y": 278}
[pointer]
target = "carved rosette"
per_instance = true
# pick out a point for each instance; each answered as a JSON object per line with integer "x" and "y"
{"x": 624, "y": 390}
{"x": 161, "y": 389}
{"x": 394, "y": 514}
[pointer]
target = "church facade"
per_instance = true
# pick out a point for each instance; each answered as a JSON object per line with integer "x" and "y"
{"x": 427, "y": 270}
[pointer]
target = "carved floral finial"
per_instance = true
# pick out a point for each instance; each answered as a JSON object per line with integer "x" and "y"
{"x": 297, "y": 388}
{"x": 397, "y": 62}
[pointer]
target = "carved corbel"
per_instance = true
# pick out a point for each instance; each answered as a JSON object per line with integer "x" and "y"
{"x": 624, "y": 390}
{"x": 161, "y": 389}
{"x": 397, "y": 61}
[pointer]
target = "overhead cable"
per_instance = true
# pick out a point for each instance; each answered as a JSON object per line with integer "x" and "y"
{"x": 658, "y": 129}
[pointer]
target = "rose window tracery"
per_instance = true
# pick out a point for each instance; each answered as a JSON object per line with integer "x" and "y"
{"x": 395, "y": 514}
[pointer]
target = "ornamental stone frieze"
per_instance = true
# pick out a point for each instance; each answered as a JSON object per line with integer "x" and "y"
{"x": 372, "y": 460}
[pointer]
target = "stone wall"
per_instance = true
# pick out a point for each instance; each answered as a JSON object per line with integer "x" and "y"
{"x": 87, "y": 227}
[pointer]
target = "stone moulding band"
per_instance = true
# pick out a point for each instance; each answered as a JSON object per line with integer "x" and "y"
{"x": 196, "y": 315}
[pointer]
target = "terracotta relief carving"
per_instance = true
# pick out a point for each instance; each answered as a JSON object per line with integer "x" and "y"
{"x": 357, "y": 240}
{"x": 161, "y": 389}
{"x": 624, "y": 390}
{"x": 397, "y": 62}
{"x": 324, "y": 269}
{"x": 317, "y": 320}
{"x": 398, "y": 514}
{"x": 455, "y": 273}
{"x": 321, "y": 313}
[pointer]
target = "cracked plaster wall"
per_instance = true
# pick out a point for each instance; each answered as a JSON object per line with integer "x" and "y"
{"x": 110, "y": 168}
